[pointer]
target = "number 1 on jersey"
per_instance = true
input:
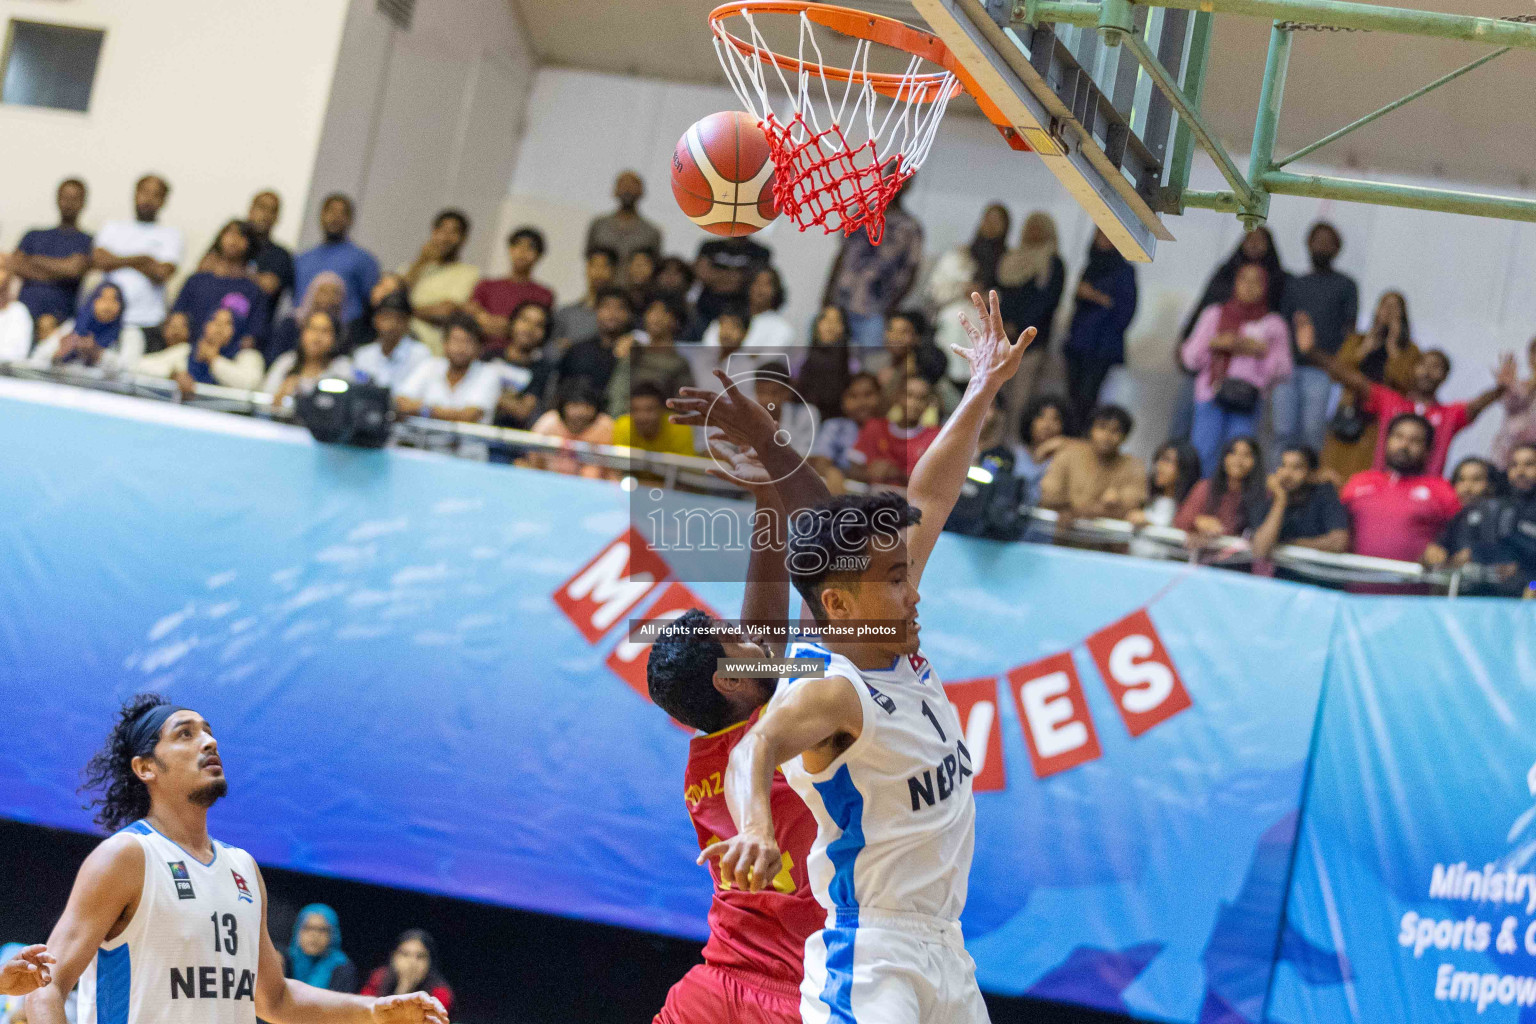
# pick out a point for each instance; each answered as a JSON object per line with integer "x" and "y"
{"x": 935, "y": 720}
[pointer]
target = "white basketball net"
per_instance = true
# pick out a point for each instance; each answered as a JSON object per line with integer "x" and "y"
{"x": 841, "y": 150}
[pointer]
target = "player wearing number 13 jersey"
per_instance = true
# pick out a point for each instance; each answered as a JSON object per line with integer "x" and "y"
{"x": 166, "y": 925}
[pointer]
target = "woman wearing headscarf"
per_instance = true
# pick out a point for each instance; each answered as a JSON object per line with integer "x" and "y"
{"x": 1257, "y": 246}
{"x": 971, "y": 266}
{"x": 1106, "y": 302}
{"x": 1237, "y": 351}
{"x": 412, "y": 967}
{"x": 326, "y": 291}
{"x": 217, "y": 357}
{"x": 314, "y": 953}
{"x": 1030, "y": 280}
{"x": 97, "y": 336}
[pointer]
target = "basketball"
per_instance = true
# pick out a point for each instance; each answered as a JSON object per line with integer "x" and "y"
{"x": 722, "y": 174}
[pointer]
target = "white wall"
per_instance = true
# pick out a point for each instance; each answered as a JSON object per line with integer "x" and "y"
{"x": 1468, "y": 280}
{"x": 224, "y": 99}
{"x": 423, "y": 119}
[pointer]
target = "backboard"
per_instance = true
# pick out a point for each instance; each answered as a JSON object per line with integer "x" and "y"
{"x": 1085, "y": 107}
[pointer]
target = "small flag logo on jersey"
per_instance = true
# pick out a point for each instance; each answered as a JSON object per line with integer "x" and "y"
{"x": 886, "y": 704}
{"x": 242, "y": 891}
{"x": 183, "y": 880}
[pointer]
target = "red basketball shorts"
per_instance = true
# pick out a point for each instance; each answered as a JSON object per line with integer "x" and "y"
{"x": 710, "y": 995}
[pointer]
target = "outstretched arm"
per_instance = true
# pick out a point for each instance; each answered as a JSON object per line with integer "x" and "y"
{"x": 1504, "y": 379}
{"x": 940, "y": 473}
{"x": 1306, "y": 344}
{"x": 285, "y": 1001}
{"x": 810, "y": 714}
{"x": 766, "y": 599}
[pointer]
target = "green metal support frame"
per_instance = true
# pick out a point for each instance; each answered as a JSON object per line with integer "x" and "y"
{"x": 1249, "y": 196}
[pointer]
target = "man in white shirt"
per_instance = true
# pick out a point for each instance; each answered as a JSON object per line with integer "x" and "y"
{"x": 390, "y": 360}
{"x": 453, "y": 386}
{"x": 15, "y": 323}
{"x": 140, "y": 255}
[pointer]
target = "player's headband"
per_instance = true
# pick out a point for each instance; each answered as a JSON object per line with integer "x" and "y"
{"x": 144, "y": 733}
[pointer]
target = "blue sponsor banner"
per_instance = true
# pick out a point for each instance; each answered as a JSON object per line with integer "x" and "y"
{"x": 1415, "y": 882}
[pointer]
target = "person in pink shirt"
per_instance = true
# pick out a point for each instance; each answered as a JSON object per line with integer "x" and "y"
{"x": 1446, "y": 420}
{"x": 1399, "y": 511}
{"x": 1519, "y": 426}
{"x": 1238, "y": 350}
{"x": 576, "y": 416}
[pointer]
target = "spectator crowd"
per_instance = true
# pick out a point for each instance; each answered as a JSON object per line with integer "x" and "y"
{"x": 1293, "y": 427}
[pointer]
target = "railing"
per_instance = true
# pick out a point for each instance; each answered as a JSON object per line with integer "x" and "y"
{"x": 680, "y": 472}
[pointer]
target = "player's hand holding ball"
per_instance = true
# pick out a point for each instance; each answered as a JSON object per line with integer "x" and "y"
{"x": 410, "y": 1008}
{"x": 746, "y": 860}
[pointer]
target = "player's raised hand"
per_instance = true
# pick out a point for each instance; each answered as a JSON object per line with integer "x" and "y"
{"x": 29, "y": 970}
{"x": 411, "y": 1008}
{"x": 745, "y": 861}
{"x": 737, "y": 415}
{"x": 737, "y": 465}
{"x": 993, "y": 358}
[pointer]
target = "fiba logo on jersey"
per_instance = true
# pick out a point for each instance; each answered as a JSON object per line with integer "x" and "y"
{"x": 242, "y": 891}
{"x": 183, "y": 880}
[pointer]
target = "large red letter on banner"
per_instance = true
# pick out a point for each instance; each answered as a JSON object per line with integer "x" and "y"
{"x": 976, "y": 702}
{"x": 628, "y": 659}
{"x": 1057, "y": 726}
{"x": 611, "y": 584}
{"x": 1138, "y": 672}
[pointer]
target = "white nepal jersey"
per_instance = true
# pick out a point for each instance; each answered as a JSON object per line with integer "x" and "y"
{"x": 189, "y": 955}
{"x": 895, "y": 819}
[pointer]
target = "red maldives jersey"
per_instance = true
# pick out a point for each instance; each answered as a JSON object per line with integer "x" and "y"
{"x": 1397, "y": 516}
{"x": 1448, "y": 421}
{"x": 758, "y": 932}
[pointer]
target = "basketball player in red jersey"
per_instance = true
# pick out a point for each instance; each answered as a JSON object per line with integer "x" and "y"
{"x": 755, "y": 957}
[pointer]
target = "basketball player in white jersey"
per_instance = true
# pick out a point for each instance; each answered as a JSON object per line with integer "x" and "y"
{"x": 873, "y": 746}
{"x": 167, "y": 925}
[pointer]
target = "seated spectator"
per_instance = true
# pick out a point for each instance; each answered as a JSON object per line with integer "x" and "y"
{"x": 889, "y": 446}
{"x": 394, "y": 355}
{"x": 624, "y": 230}
{"x": 1303, "y": 510}
{"x": 356, "y": 267}
{"x": 140, "y": 255}
{"x": 326, "y": 293}
{"x": 651, "y": 356}
{"x": 314, "y": 953}
{"x": 646, "y": 426}
{"x": 1519, "y": 426}
{"x": 833, "y": 451}
{"x": 731, "y": 329}
{"x": 15, "y": 322}
{"x": 1513, "y": 553}
{"x": 216, "y": 358}
{"x": 1106, "y": 304}
{"x": 1434, "y": 366}
{"x": 1042, "y": 432}
{"x": 1473, "y": 480}
{"x": 1093, "y": 477}
{"x": 724, "y": 268}
{"x": 673, "y": 277}
{"x": 1385, "y": 354}
{"x": 772, "y": 390}
{"x": 909, "y": 353}
{"x": 1238, "y": 350}
{"x": 769, "y": 329}
{"x": 223, "y": 273}
{"x": 176, "y": 330}
{"x": 971, "y": 266}
{"x": 1397, "y": 512}
{"x": 523, "y": 368}
{"x": 1230, "y": 501}
{"x": 271, "y": 264}
{"x": 494, "y": 300}
{"x": 439, "y": 282}
{"x": 594, "y": 359}
{"x": 361, "y": 331}
{"x": 412, "y": 967}
{"x": 574, "y": 417}
{"x": 52, "y": 261}
{"x": 296, "y": 372}
{"x": 577, "y": 321}
{"x": 639, "y": 275}
{"x": 455, "y": 385}
{"x": 96, "y": 337}
{"x": 1175, "y": 472}
{"x": 823, "y": 375}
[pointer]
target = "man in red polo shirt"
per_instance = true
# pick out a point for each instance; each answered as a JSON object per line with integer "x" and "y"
{"x": 1399, "y": 511}
{"x": 1445, "y": 419}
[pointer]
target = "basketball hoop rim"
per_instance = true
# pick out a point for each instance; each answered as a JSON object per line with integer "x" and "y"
{"x": 874, "y": 28}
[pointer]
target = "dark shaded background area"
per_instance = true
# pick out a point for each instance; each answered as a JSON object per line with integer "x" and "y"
{"x": 505, "y": 966}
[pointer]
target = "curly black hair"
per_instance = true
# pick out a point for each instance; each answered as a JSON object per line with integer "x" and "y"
{"x": 124, "y": 798}
{"x": 830, "y": 539}
{"x": 680, "y": 674}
